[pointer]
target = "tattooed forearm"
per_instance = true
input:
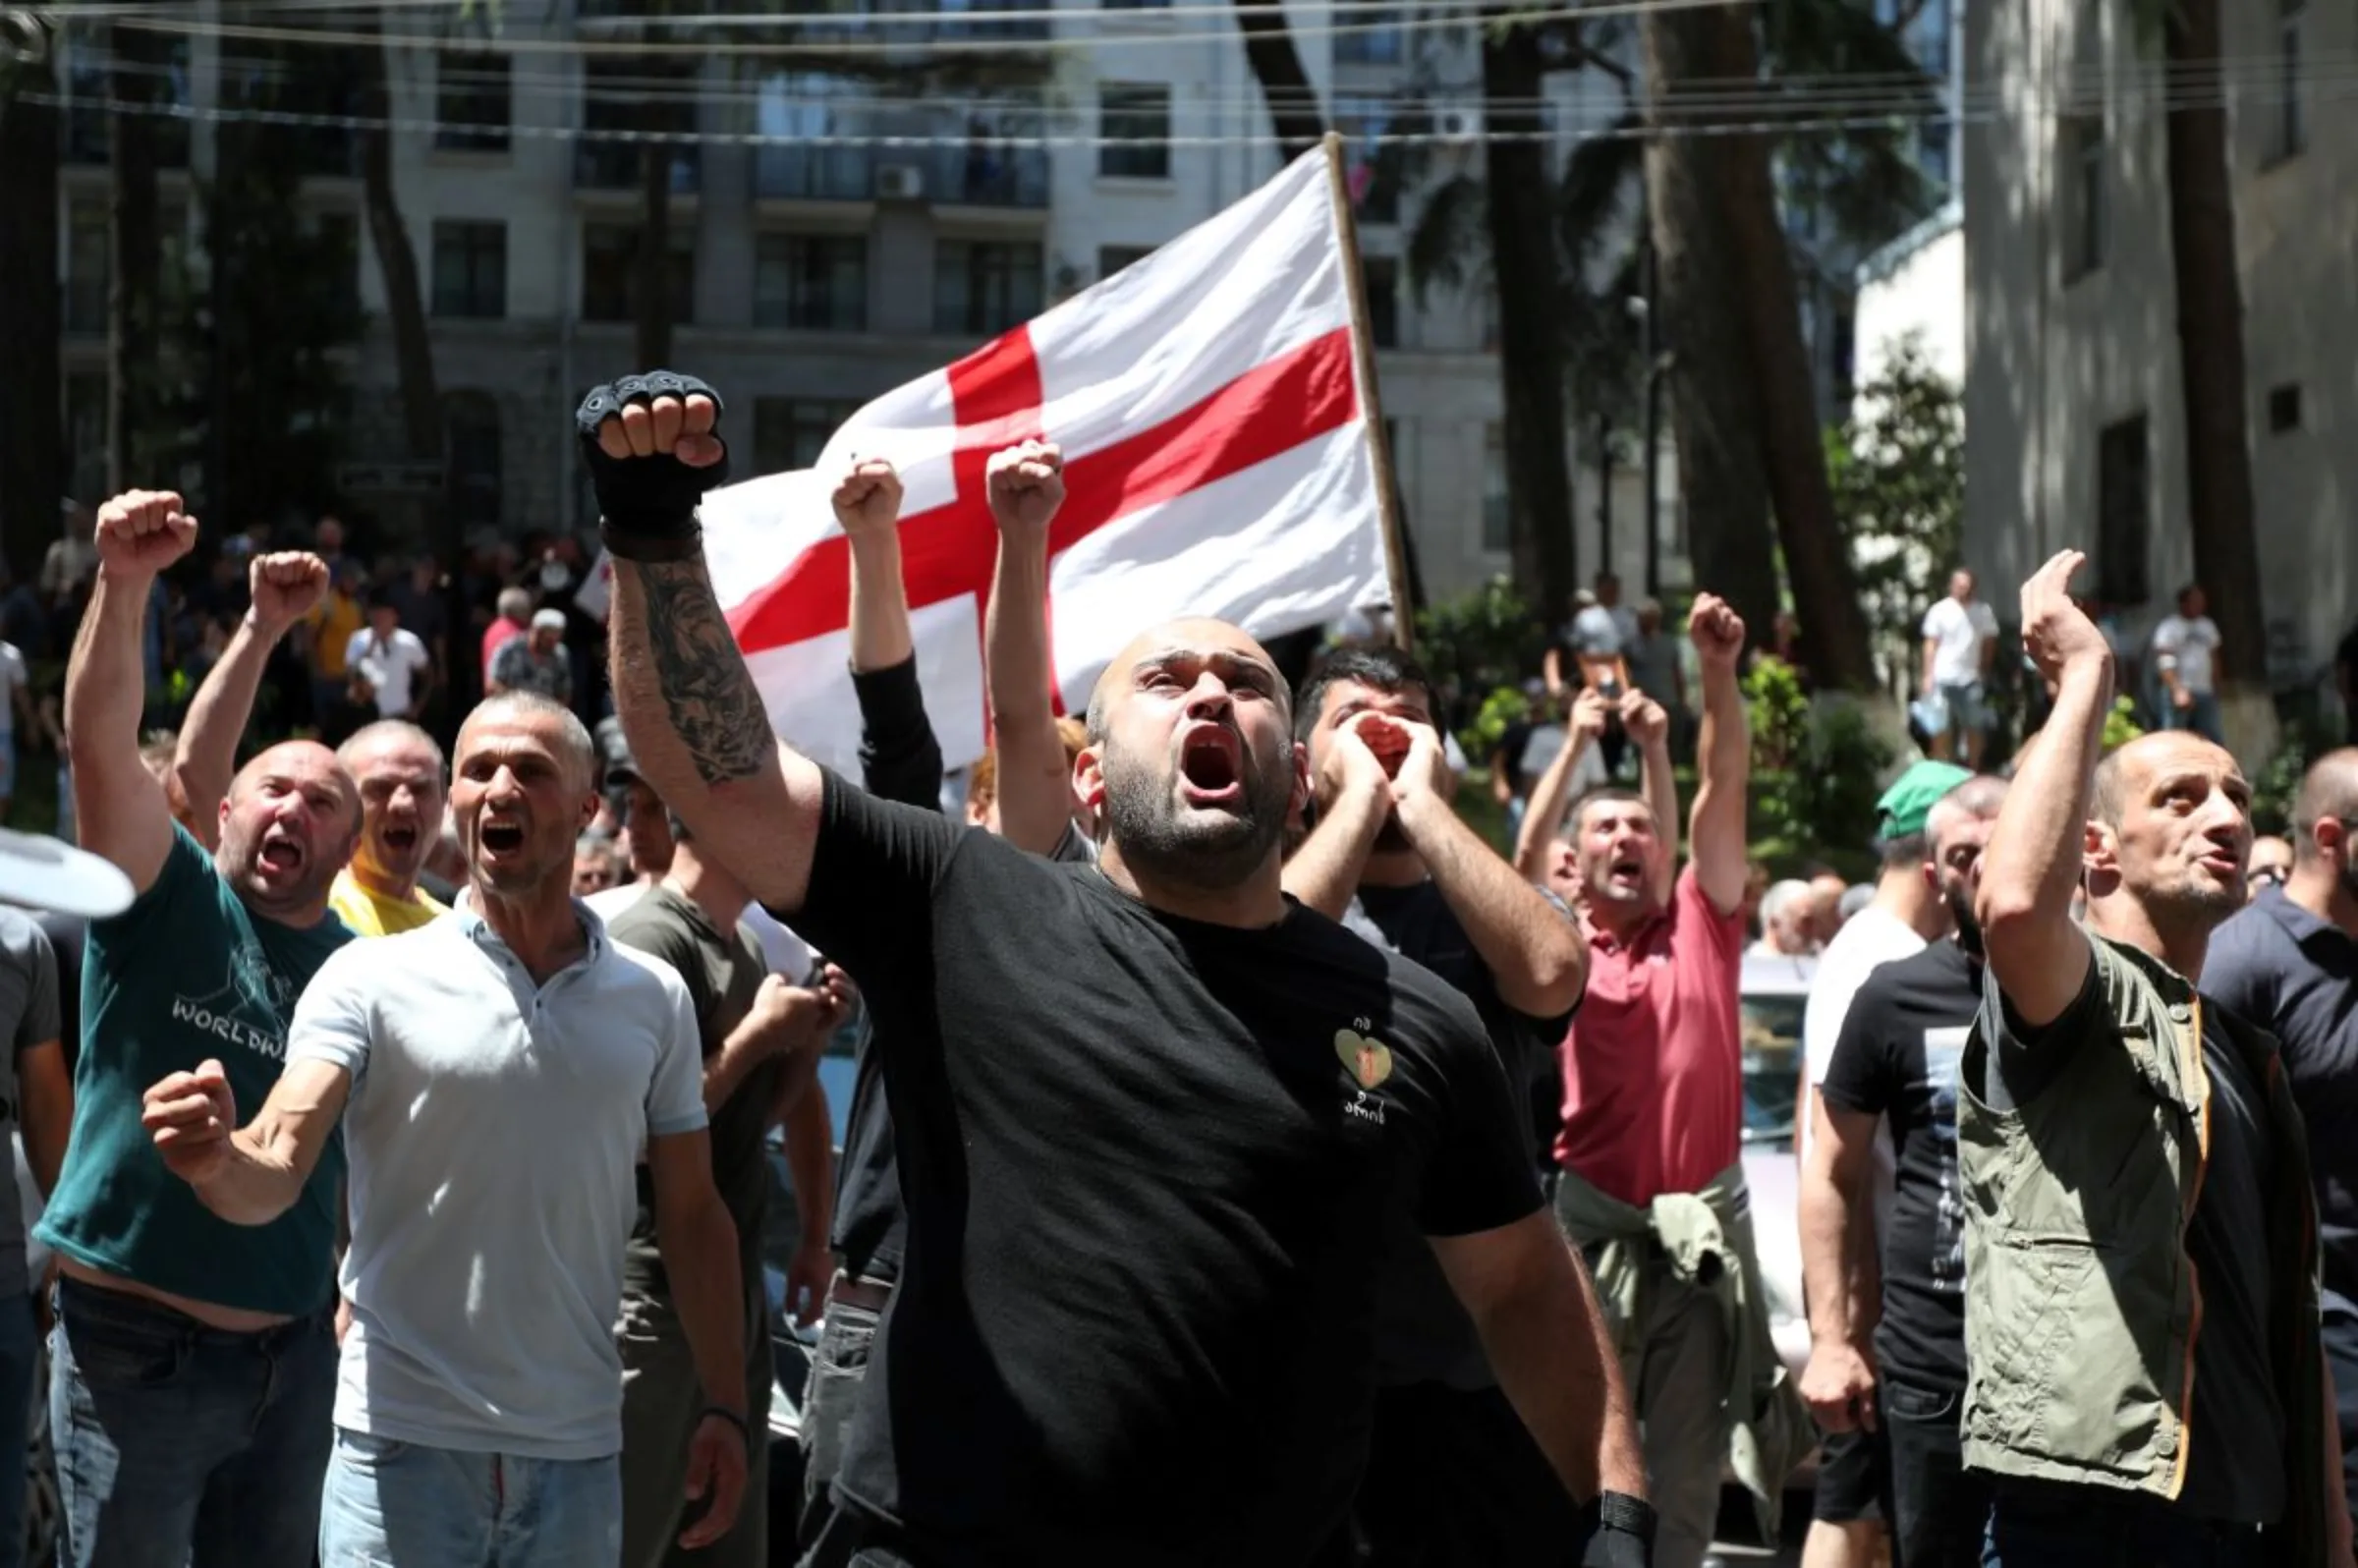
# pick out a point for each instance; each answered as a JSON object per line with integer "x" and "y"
{"x": 714, "y": 707}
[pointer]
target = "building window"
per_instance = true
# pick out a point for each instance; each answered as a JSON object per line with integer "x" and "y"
{"x": 471, "y": 269}
{"x": 471, "y": 430}
{"x": 2284, "y": 409}
{"x": 2088, "y": 221}
{"x": 982, "y": 288}
{"x": 789, "y": 434}
{"x": 1368, "y": 35}
{"x": 610, "y": 273}
{"x": 1383, "y": 275}
{"x": 1113, "y": 259}
{"x": 810, "y": 282}
{"x": 1135, "y": 119}
{"x": 1496, "y": 533}
{"x": 1138, "y": 5}
{"x": 1373, "y": 169}
{"x": 473, "y": 102}
{"x": 86, "y": 266}
{"x": 2290, "y": 133}
{"x": 2123, "y": 513}
{"x": 340, "y": 242}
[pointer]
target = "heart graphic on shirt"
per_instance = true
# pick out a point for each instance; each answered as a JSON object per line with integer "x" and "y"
{"x": 1369, "y": 1061}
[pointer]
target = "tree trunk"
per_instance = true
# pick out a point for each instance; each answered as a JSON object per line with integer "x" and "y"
{"x": 135, "y": 261}
{"x": 1531, "y": 361}
{"x": 1714, "y": 397}
{"x": 2211, "y": 370}
{"x": 32, "y": 437}
{"x": 1834, "y": 644}
{"x": 650, "y": 306}
{"x": 1294, "y": 113}
{"x": 396, "y": 263}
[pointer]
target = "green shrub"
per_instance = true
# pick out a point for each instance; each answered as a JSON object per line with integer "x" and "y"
{"x": 1823, "y": 798}
{"x": 1505, "y": 706}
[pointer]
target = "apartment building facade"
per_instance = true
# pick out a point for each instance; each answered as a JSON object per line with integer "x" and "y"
{"x": 833, "y": 237}
{"x": 2074, "y": 416}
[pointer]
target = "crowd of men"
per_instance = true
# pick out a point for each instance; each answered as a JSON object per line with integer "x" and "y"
{"x": 1246, "y": 1163}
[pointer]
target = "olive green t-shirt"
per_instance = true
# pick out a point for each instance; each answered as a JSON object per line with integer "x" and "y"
{"x": 723, "y": 974}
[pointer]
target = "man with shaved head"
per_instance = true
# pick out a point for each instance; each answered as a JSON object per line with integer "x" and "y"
{"x": 496, "y": 1077}
{"x": 2143, "y": 1382}
{"x": 399, "y": 772}
{"x": 1154, "y": 1121}
{"x": 194, "y": 1361}
{"x": 2290, "y": 964}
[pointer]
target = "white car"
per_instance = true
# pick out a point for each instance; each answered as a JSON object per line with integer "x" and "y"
{"x": 1773, "y": 992}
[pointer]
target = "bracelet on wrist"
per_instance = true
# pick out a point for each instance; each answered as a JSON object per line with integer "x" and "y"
{"x": 745, "y": 1433}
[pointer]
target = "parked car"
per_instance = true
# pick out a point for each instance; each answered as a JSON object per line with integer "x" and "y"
{"x": 1773, "y": 993}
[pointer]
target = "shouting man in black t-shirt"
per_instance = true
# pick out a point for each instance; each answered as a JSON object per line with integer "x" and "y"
{"x": 1895, "y": 1061}
{"x": 1155, "y": 1124}
{"x": 1453, "y": 1479}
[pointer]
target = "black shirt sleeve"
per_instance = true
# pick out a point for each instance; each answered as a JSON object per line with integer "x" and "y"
{"x": 1476, "y": 1176}
{"x": 2024, "y": 1060}
{"x": 900, "y": 758}
{"x": 1859, "y": 1075}
{"x": 869, "y": 906}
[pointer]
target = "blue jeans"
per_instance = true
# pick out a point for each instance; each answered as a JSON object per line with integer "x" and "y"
{"x": 184, "y": 1446}
{"x": 20, "y": 1370}
{"x": 420, "y": 1507}
{"x": 2034, "y": 1525}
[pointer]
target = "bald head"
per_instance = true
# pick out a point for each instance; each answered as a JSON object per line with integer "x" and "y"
{"x": 297, "y": 760}
{"x": 1198, "y": 635}
{"x": 2328, "y": 792}
{"x": 2124, "y": 774}
{"x": 563, "y": 728}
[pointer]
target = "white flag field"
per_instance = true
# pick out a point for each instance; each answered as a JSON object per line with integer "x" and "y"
{"x": 1217, "y": 462}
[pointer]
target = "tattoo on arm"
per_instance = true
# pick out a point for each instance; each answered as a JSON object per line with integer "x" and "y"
{"x": 714, "y": 705}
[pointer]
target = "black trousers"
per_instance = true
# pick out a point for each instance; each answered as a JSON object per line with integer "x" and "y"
{"x": 1938, "y": 1511}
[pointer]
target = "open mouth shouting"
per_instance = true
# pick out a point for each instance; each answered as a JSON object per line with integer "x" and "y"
{"x": 1211, "y": 770}
{"x": 399, "y": 837}
{"x": 280, "y": 854}
{"x": 500, "y": 837}
{"x": 1625, "y": 874}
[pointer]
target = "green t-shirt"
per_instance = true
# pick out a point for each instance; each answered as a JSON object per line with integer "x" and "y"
{"x": 723, "y": 974}
{"x": 186, "y": 973}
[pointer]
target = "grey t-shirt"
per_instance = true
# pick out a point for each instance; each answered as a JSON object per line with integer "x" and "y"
{"x": 29, "y": 1015}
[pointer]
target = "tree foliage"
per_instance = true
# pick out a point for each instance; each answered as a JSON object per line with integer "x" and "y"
{"x": 1898, "y": 477}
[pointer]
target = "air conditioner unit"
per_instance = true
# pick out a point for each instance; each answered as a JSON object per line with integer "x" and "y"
{"x": 1457, "y": 124}
{"x": 900, "y": 182}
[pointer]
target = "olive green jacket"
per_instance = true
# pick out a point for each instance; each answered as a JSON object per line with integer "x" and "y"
{"x": 1706, "y": 1238}
{"x": 2081, "y": 1304}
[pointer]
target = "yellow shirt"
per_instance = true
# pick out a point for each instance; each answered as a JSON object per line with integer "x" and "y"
{"x": 332, "y": 624}
{"x": 373, "y": 913}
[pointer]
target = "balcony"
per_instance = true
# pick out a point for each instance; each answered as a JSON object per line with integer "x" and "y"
{"x": 815, "y": 174}
{"x": 985, "y": 174}
{"x": 615, "y": 166}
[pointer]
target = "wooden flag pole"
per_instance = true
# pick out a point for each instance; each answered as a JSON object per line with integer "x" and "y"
{"x": 1371, "y": 403}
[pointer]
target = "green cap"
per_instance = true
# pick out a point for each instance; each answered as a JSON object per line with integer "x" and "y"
{"x": 1909, "y": 801}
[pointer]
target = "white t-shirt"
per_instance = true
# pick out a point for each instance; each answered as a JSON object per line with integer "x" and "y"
{"x": 1866, "y": 941}
{"x": 1956, "y": 632}
{"x": 391, "y": 667}
{"x": 13, "y": 678}
{"x": 2190, "y": 643}
{"x": 493, "y": 1137}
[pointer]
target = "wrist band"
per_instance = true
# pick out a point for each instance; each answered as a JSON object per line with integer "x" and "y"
{"x": 1617, "y": 1510}
{"x": 744, "y": 1433}
{"x": 637, "y": 544}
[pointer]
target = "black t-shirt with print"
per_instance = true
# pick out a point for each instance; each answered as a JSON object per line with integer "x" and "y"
{"x": 1147, "y": 1165}
{"x": 1896, "y": 1057}
{"x": 1422, "y": 1333}
{"x": 2235, "y": 1449}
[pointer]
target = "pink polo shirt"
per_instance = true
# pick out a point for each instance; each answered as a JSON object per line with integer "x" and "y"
{"x": 1654, "y": 1065}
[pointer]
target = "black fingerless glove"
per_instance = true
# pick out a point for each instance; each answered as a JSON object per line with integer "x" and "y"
{"x": 647, "y": 505}
{"x": 1623, "y": 1533}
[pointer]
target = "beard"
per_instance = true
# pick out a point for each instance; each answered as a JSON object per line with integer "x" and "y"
{"x": 1212, "y": 850}
{"x": 1960, "y": 910}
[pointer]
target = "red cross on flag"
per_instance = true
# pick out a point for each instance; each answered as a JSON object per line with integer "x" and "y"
{"x": 1217, "y": 462}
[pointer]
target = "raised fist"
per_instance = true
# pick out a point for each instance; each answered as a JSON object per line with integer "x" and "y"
{"x": 141, "y": 532}
{"x": 1716, "y": 631}
{"x": 1645, "y": 719}
{"x": 1026, "y": 485}
{"x": 190, "y": 1116}
{"x": 2056, "y": 631}
{"x": 1591, "y": 713}
{"x": 286, "y": 586}
{"x": 868, "y": 498}
{"x": 652, "y": 443}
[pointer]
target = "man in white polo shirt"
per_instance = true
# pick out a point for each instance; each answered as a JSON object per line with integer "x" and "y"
{"x": 504, "y": 1069}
